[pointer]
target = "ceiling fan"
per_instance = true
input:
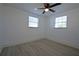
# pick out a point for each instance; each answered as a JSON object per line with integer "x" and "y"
{"x": 47, "y": 7}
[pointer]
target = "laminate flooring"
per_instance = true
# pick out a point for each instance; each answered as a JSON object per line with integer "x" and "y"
{"x": 40, "y": 48}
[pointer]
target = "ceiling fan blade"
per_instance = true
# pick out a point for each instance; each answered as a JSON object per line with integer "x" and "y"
{"x": 52, "y": 10}
{"x": 46, "y": 5}
{"x": 40, "y": 8}
{"x": 43, "y": 12}
{"x": 56, "y": 4}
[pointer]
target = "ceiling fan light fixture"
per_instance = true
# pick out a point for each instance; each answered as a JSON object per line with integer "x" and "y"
{"x": 35, "y": 9}
{"x": 46, "y": 10}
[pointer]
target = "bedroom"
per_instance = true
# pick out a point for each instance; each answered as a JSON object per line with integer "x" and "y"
{"x": 25, "y": 27}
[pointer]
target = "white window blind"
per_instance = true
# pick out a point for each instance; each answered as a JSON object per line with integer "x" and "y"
{"x": 33, "y": 22}
{"x": 61, "y": 22}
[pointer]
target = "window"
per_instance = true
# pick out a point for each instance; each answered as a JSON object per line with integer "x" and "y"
{"x": 61, "y": 22}
{"x": 33, "y": 22}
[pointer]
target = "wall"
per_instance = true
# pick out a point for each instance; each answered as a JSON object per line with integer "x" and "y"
{"x": 1, "y": 27}
{"x": 69, "y": 35}
{"x": 16, "y": 28}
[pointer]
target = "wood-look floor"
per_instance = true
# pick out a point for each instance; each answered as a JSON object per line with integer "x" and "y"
{"x": 40, "y": 48}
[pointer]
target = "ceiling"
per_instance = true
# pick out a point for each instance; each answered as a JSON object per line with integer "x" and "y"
{"x": 30, "y": 7}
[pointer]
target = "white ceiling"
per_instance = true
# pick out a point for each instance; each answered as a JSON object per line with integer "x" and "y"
{"x": 30, "y": 7}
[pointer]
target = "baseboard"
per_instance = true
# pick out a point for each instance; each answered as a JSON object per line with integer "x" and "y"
{"x": 9, "y": 45}
{"x": 64, "y": 44}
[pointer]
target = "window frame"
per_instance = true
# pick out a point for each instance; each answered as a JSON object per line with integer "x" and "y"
{"x": 66, "y": 22}
{"x": 36, "y": 23}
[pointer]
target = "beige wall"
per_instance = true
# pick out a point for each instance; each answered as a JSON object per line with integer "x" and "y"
{"x": 68, "y": 36}
{"x": 16, "y": 28}
{"x": 1, "y": 27}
